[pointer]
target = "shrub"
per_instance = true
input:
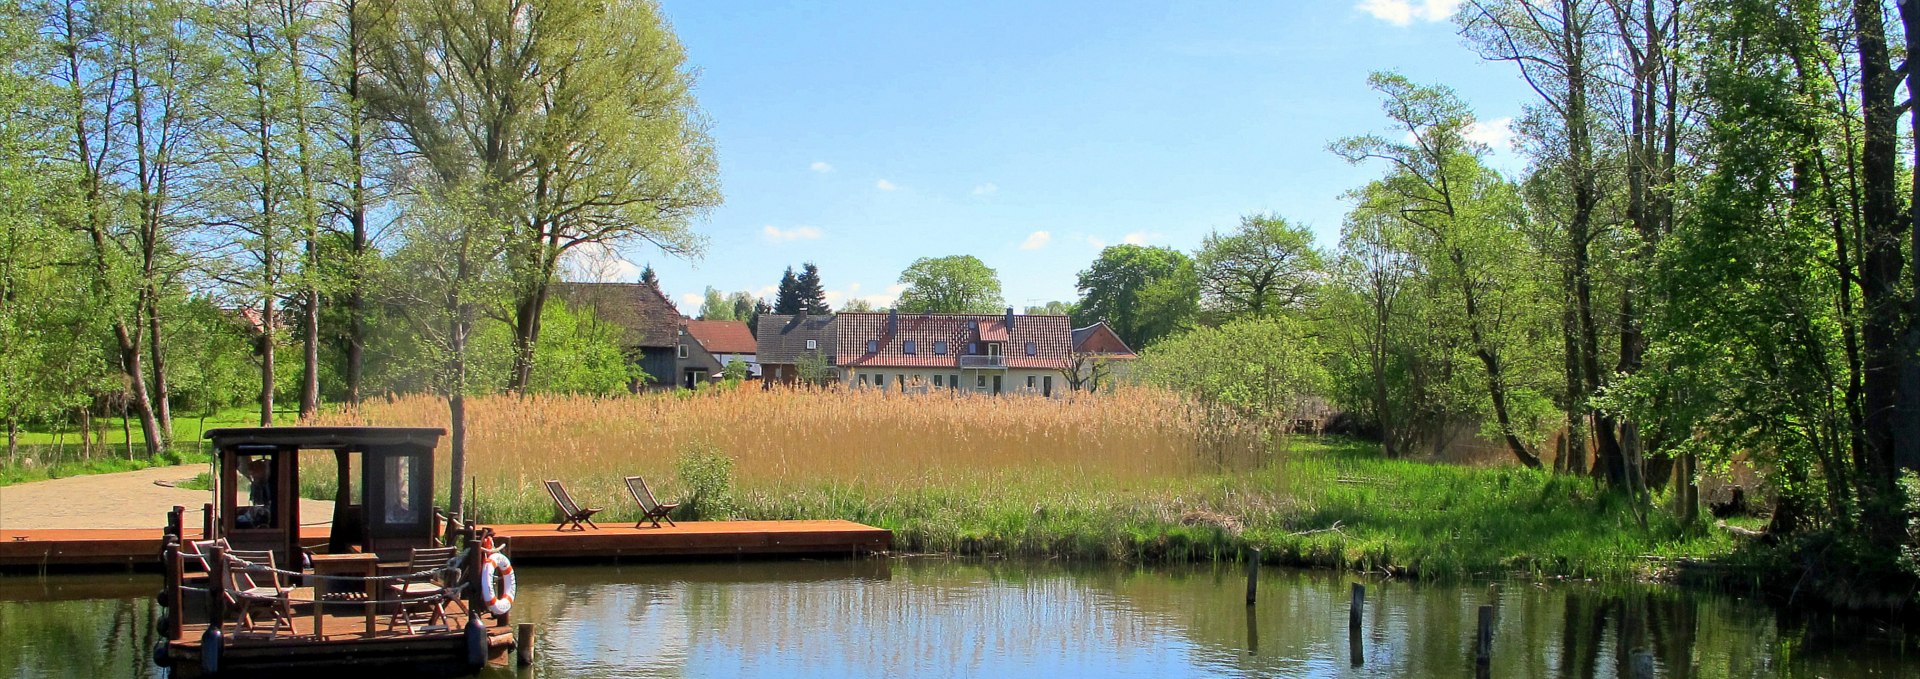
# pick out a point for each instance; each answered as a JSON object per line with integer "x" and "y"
{"x": 707, "y": 476}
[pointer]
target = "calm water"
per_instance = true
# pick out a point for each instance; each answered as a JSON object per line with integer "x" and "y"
{"x": 939, "y": 618}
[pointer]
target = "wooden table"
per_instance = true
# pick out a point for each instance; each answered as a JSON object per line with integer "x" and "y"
{"x": 361, "y": 565}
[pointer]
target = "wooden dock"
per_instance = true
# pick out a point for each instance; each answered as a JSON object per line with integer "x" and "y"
{"x": 54, "y": 549}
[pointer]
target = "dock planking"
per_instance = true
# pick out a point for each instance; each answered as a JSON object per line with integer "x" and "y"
{"x": 77, "y": 547}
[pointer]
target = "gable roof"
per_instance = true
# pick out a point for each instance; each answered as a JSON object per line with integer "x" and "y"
{"x": 645, "y": 317}
{"x": 1052, "y": 337}
{"x": 1100, "y": 338}
{"x": 782, "y": 339}
{"x": 723, "y": 337}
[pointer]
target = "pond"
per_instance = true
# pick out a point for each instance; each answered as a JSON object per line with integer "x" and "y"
{"x": 932, "y": 617}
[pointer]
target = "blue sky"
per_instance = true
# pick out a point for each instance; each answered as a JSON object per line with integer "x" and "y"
{"x": 863, "y": 135}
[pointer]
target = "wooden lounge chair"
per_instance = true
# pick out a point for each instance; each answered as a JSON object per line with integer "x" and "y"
{"x": 423, "y": 596}
{"x": 650, "y": 509}
{"x": 252, "y": 585}
{"x": 571, "y": 513}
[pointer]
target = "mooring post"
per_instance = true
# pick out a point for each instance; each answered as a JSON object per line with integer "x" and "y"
{"x": 1483, "y": 646}
{"x": 1253, "y": 574}
{"x": 1253, "y": 632}
{"x": 1356, "y": 649}
{"x": 523, "y": 644}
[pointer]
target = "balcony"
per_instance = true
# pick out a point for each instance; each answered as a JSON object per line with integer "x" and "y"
{"x": 983, "y": 362}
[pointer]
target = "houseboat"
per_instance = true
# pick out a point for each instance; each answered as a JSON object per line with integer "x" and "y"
{"x": 384, "y": 582}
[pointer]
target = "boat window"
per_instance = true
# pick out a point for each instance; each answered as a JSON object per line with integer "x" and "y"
{"x": 401, "y": 507}
{"x": 258, "y": 481}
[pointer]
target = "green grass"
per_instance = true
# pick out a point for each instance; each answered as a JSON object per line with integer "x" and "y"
{"x": 1328, "y": 505}
{"x": 49, "y": 454}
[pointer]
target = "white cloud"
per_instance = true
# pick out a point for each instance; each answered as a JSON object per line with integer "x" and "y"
{"x": 1405, "y": 12}
{"x": 598, "y": 263}
{"x": 777, "y": 234}
{"x": 1135, "y": 238}
{"x": 1497, "y": 134}
{"x": 985, "y": 189}
{"x": 690, "y": 302}
{"x": 885, "y": 185}
{"x": 1036, "y": 240}
{"x": 1096, "y": 242}
{"x": 838, "y": 298}
{"x": 820, "y": 166}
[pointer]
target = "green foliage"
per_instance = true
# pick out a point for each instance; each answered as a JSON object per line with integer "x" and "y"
{"x": 958, "y": 284}
{"x": 706, "y": 474}
{"x": 1143, "y": 292}
{"x": 1264, "y": 367}
{"x": 1266, "y": 266}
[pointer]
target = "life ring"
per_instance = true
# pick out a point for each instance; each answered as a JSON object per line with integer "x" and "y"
{"x": 500, "y": 601}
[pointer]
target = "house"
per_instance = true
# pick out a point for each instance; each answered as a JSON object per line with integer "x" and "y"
{"x": 785, "y": 343}
{"x": 727, "y": 342}
{"x": 1099, "y": 357}
{"x": 650, "y": 325}
{"x": 980, "y": 353}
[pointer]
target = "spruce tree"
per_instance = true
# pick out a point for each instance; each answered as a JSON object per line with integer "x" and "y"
{"x": 788, "y": 301}
{"x": 652, "y": 281}
{"x": 813, "y": 296}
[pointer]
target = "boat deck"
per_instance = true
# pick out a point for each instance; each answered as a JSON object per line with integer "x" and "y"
{"x": 54, "y": 549}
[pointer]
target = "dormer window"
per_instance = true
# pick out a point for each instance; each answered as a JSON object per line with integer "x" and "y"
{"x": 973, "y": 348}
{"x": 940, "y": 347}
{"x": 873, "y": 346}
{"x": 907, "y": 347}
{"x": 1031, "y": 349}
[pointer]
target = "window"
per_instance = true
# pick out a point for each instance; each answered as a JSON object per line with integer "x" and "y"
{"x": 901, "y": 382}
{"x": 953, "y": 381}
{"x": 683, "y": 351}
{"x": 937, "y": 383}
{"x": 863, "y": 380}
{"x": 873, "y": 346}
{"x": 1030, "y": 381}
{"x": 940, "y": 347}
{"x": 907, "y": 347}
{"x": 880, "y": 380}
{"x": 1046, "y": 385}
{"x": 1031, "y": 349}
{"x": 973, "y": 348}
{"x": 813, "y": 344}
{"x": 980, "y": 381}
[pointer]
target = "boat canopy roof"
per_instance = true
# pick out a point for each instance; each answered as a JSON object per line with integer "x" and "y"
{"x": 325, "y": 438}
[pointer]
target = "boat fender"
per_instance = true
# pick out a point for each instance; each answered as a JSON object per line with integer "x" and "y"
{"x": 476, "y": 637}
{"x": 210, "y": 644}
{"x": 499, "y": 600}
{"x": 160, "y": 656}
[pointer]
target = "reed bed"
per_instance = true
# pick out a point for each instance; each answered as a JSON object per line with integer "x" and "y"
{"x": 1138, "y": 475}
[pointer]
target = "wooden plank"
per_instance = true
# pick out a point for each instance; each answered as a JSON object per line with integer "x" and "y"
{"x": 53, "y": 548}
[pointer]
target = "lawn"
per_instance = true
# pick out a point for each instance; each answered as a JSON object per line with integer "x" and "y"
{"x": 51, "y": 454}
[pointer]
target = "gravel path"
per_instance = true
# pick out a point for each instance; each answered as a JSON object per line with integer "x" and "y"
{"x": 124, "y": 500}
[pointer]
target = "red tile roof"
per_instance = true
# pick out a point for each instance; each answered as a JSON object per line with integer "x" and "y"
{"x": 723, "y": 337}
{"x": 1052, "y": 337}
{"x": 1100, "y": 338}
{"x": 645, "y": 317}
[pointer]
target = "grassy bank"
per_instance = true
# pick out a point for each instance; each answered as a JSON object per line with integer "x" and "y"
{"x": 57, "y": 453}
{"x": 1138, "y": 476}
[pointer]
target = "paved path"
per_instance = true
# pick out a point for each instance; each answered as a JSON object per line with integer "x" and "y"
{"x": 123, "y": 500}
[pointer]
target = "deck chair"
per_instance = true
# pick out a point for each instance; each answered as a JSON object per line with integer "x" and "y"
{"x": 197, "y": 550}
{"x": 252, "y": 585}
{"x": 428, "y": 597}
{"x": 571, "y": 513}
{"x": 650, "y": 509}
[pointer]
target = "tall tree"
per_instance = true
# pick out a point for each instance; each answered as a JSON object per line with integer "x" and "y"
{"x": 813, "y": 295}
{"x": 1265, "y": 266}
{"x": 1113, "y": 289}
{"x": 786, "y": 299}
{"x": 716, "y": 307}
{"x": 579, "y": 115}
{"x": 957, "y": 284}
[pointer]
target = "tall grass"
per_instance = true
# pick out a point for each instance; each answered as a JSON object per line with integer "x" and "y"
{"x": 1139, "y": 475}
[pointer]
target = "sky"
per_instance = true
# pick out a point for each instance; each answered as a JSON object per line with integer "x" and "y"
{"x": 864, "y": 135}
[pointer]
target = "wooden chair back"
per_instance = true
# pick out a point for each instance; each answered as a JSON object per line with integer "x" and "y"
{"x": 198, "y": 550}
{"x": 642, "y": 494}
{"x": 560, "y": 497}
{"x": 434, "y": 558}
{"x": 242, "y": 578}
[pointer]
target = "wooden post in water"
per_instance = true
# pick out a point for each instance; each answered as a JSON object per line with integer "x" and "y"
{"x": 1483, "y": 641}
{"x": 1253, "y": 574}
{"x": 523, "y": 644}
{"x": 1253, "y": 632}
{"x": 1356, "y": 649}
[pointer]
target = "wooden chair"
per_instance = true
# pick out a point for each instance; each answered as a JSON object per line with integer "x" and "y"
{"x": 650, "y": 509}
{"x": 428, "y": 596}
{"x": 198, "y": 550}
{"x": 253, "y": 585}
{"x": 570, "y": 512}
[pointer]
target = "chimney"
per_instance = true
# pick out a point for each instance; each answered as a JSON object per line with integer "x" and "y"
{"x": 893, "y": 321}
{"x": 1009, "y": 318}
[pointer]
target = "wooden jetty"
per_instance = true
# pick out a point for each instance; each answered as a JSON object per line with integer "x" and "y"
{"x": 58, "y": 549}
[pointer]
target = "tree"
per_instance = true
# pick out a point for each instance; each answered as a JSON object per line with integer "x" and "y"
{"x": 1265, "y": 266}
{"x": 717, "y": 307}
{"x": 1262, "y": 367}
{"x": 577, "y": 117}
{"x": 650, "y": 280}
{"x": 1120, "y": 288}
{"x": 958, "y": 284}
{"x": 1053, "y": 308}
{"x": 857, "y": 305}
{"x": 786, "y": 299}
{"x": 812, "y": 295}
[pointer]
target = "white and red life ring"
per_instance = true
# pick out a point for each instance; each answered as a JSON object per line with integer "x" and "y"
{"x": 501, "y": 600}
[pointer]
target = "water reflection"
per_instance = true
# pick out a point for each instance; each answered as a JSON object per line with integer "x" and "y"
{"x": 932, "y": 617}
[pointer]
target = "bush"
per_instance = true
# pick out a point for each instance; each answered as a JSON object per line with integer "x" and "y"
{"x": 707, "y": 476}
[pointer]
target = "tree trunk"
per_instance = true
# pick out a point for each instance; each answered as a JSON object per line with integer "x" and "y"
{"x": 1496, "y": 372}
{"x": 129, "y": 346}
{"x": 310, "y": 365}
{"x": 1906, "y": 433}
{"x": 1881, "y": 262}
{"x": 266, "y": 360}
{"x": 162, "y": 393}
